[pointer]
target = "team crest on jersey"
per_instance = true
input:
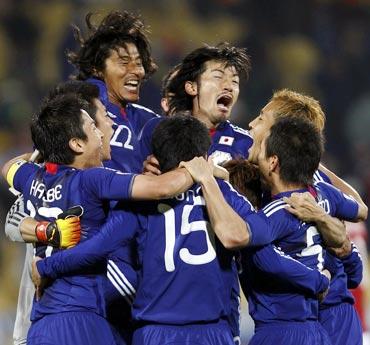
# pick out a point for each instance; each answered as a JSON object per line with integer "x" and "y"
{"x": 220, "y": 157}
{"x": 225, "y": 140}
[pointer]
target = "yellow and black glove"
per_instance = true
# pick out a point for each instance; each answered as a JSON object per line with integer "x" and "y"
{"x": 64, "y": 232}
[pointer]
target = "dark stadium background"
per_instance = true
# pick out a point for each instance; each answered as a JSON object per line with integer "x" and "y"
{"x": 320, "y": 47}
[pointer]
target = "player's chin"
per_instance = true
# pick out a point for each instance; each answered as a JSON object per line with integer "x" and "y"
{"x": 130, "y": 97}
{"x": 223, "y": 116}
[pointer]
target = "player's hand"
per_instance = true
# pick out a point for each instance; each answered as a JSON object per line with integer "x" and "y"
{"x": 37, "y": 280}
{"x": 151, "y": 166}
{"x": 321, "y": 296}
{"x": 219, "y": 171}
{"x": 64, "y": 232}
{"x": 304, "y": 207}
{"x": 199, "y": 169}
{"x": 342, "y": 251}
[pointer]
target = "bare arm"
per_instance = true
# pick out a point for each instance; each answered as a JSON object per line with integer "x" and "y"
{"x": 229, "y": 227}
{"x": 168, "y": 185}
{"x": 27, "y": 230}
{"x": 347, "y": 189}
{"x": 305, "y": 207}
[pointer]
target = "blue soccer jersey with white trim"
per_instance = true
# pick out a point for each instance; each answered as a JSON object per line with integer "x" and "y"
{"x": 128, "y": 122}
{"x": 50, "y": 190}
{"x": 272, "y": 300}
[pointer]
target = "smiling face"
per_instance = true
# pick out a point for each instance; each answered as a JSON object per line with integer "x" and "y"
{"x": 123, "y": 74}
{"x": 259, "y": 129}
{"x": 215, "y": 93}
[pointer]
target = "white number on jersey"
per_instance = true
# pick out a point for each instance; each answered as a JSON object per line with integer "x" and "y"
{"x": 186, "y": 228}
{"x": 312, "y": 248}
{"x": 117, "y": 132}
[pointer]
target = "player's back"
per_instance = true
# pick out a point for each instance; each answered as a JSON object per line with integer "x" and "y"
{"x": 279, "y": 301}
{"x": 182, "y": 280}
{"x": 48, "y": 191}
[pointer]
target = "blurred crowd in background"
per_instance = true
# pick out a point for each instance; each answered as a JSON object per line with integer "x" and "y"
{"x": 318, "y": 47}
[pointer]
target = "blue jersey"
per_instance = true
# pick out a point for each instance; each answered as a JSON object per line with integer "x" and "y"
{"x": 49, "y": 190}
{"x": 185, "y": 273}
{"x": 228, "y": 141}
{"x": 129, "y": 121}
{"x": 272, "y": 300}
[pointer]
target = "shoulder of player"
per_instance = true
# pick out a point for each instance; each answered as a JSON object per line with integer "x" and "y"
{"x": 101, "y": 172}
{"x": 134, "y": 107}
{"x": 23, "y": 167}
{"x": 275, "y": 208}
{"x": 238, "y": 131}
{"x": 229, "y": 191}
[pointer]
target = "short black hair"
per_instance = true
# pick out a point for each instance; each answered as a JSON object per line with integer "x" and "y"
{"x": 298, "y": 145}
{"x": 179, "y": 138}
{"x": 58, "y": 121}
{"x": 193, "y": 65}
{"x": 87, "y": 91}
{"x": 116, "y": 30}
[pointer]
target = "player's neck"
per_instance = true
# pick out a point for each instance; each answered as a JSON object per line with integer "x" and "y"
{"x": 279, "y": 186}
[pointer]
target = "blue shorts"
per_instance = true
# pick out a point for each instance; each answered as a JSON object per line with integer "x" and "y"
{"x": 71, "y": 328}
{"x": 342, "y": 324}
{"x": 196, "y": 334}
{"x": 291, "y": 333}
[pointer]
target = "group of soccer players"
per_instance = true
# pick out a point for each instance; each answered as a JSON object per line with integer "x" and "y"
{"x": 157, "y": 256}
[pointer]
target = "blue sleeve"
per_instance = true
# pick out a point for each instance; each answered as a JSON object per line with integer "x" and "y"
{"x": 273, "y": 261}
{"x": 342, "y": 206}
{"x": 353, "y": 267}
{"x": 116, "y": 232}
{"x": 238, "y": 202}
{"x": 268, "y": 224}
{"x": 145, "y": 138}
{"x": 107, "y": 183}
{"x": 22, "y": 175}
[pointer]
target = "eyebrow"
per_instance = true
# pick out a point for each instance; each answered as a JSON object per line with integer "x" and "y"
{"x": 223, "y": 72}
{"x": 127, "y": 55}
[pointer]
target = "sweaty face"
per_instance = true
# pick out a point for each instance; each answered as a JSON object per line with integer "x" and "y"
{"x": 104, "y": 124}
{"x": 123, "y": 74}
{"x": 216, "y": 93}
{"x": 259, "y": 129}
{"x": 93, "y": 146}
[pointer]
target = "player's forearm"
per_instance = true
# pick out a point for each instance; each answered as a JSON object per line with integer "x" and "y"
{"x": 228, "y": 226}
{"x": 347, "y": 189}
{"x": 274, "y": 262}
{"x": 333, "y": 231}
{"x": 353, "y": 267}
{"x": 164, "y": 186}
{"x": 27, "y": 230}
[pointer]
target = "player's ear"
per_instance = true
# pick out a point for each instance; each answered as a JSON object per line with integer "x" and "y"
{"x": 273, "y": 163}
{"x": 76, "y": 145}
{"x": 191, "y": 88}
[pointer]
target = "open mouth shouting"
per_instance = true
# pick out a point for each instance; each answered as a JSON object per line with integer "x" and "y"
{"x": 224, "y": 102}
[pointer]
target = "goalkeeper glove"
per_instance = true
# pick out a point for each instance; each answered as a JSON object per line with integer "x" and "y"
{"x": 64, "y": 232}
